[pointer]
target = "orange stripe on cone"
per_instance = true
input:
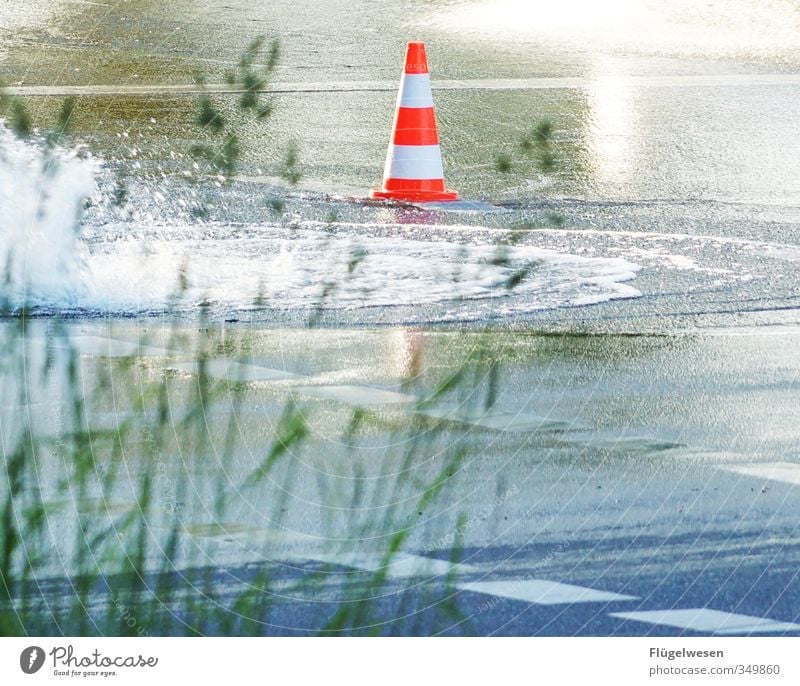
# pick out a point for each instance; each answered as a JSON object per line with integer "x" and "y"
{"x": 421, "y": 186}
{"x": 415, "y": 126}
{"x": 413, "y": 169}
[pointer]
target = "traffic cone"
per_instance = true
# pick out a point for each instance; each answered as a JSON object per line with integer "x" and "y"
{"x": 413, "y": 168}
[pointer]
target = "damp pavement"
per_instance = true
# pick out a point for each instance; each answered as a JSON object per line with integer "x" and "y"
{"x": 609, "y": 489}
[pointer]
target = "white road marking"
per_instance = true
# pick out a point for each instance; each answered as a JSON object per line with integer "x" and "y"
{"x": 238, "y": 372}
{"x": 788, "y": 472}
{"x": 626, "y": 444}
{"x": 245, "y": 534}
{"x": 95, "y": 506}
{"x": 401, "y": 565}
{"x": 709, "y": 621}
{"x": 543, "y": 592}
{"x": 110, "y": 347}
{"x": 356, "y": 395}
{"x": 701, "y": 455}
{"x": 499, "y": 420}
{"x": 460, "y": 206}
{"x": 542, "y": 83}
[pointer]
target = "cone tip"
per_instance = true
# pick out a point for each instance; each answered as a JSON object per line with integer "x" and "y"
{"x": 416, "y": 60}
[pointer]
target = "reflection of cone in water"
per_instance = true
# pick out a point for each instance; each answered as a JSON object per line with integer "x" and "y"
{"x": 412, "y": 354}
{"x": 413, "y": 168}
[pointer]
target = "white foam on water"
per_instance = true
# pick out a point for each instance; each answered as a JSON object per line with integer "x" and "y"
{"x": 293, "y": 271}
{"x": 41, "y": 201}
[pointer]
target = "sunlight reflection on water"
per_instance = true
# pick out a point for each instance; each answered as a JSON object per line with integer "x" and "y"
{"x": 767, "y": 30}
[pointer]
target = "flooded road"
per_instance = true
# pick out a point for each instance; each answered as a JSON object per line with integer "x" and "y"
{"x": 596, "y": 367}
{"x": 685, "y": 134}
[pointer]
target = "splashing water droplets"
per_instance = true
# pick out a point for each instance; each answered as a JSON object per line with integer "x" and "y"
{"x": 42, "y": 193}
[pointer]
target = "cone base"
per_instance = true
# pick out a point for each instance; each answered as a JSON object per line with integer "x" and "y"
{"x": 413, "y": 195}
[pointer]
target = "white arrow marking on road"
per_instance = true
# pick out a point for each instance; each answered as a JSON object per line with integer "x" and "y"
{"x": 543, "y": 592}
{"x": 788, "y": 472}
{"x": 709, "y": 621}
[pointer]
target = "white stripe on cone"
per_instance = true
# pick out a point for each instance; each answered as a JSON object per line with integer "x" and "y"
{"x": 415, "y": 91}
{"x": 414, "y": 162}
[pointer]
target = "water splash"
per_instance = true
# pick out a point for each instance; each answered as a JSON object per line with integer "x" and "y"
{"x": 59, "y": 258}
{"x": 42, "y": 194}
{"x": 300, "y": 269}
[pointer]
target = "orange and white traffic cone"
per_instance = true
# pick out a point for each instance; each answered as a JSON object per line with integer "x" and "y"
{"x": 413, "y": 168}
